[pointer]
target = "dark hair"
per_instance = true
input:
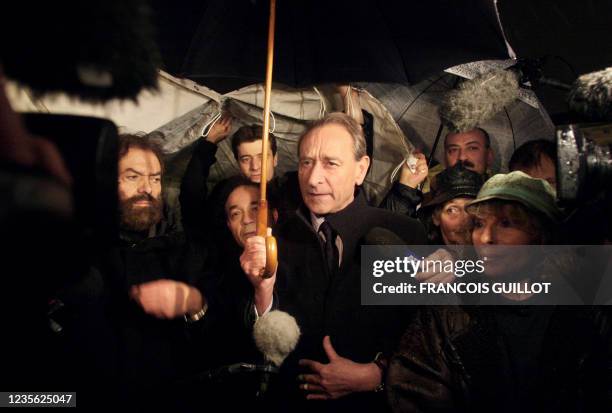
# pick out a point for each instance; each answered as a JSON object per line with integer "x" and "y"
{"x": 248, "y": 134}
{"x": 529, "y": 154}
{"x": 219, "y": 196}
{"x": 217, "y": 226}
{"x": 229, "y": 186}
{"x": 140, "y": 141}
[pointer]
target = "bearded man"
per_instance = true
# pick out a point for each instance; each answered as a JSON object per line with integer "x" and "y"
{"x": 156, "y": 279}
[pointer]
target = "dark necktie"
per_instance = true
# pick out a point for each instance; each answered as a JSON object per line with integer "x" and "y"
{"x": 330, "y": 249}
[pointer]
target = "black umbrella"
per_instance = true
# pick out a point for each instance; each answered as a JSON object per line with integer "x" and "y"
{"x": 222, "y": 43}
{"x": 576, "y": 32}
{"x": 569, "y": 38}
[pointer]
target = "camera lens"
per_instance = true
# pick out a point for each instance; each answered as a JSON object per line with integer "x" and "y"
{"x": 584, "y": 161}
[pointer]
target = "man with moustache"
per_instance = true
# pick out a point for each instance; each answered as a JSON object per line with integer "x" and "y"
{"x": 472, "y": 148}
{"x": 156, "y": 283}
{"x": 339, "y": 360}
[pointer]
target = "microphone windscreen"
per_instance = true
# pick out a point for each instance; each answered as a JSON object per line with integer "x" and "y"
{"x": 591, "y": 95}
{"x": 477, "y": 100}
{"x": 276, "y": 334}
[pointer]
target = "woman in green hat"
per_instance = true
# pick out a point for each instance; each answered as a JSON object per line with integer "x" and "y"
{"x": 505, "y": 358}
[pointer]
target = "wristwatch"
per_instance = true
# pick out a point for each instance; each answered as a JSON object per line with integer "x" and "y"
{"x": 192, "y": 318}
{"x": 380, "y": 361}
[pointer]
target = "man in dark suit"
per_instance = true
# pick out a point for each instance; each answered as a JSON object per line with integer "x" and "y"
{"x": 318, "y": 279}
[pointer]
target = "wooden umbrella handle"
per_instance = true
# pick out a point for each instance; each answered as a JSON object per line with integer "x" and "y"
{"x": 271, "y": 256}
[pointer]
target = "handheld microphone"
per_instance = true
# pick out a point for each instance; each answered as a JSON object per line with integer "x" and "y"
{"x": 276, "y": 334}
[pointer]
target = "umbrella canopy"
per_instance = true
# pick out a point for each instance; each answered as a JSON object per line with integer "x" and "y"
{"x": 576, "y": 32}
{"x": 221, "y": 43}
{"x": 415, "y": 109}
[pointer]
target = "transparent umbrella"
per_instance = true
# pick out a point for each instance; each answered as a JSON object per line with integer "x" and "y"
{"x": 416, "y": 110}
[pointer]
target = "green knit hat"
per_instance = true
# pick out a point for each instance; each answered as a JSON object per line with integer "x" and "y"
{"x": 535, "y": 194}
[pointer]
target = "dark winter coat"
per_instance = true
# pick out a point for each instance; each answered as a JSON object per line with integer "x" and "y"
{"x": 457, "y": 359}
{"x": 402, "y": 199}
{"x": 154, "y": 354}
{"x": 331, "y": 305}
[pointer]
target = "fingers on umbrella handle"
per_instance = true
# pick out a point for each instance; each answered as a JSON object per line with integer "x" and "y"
{"x": 271, "y": 257}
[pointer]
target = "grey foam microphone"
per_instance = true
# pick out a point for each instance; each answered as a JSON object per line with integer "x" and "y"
{"x": 276, "y": 334}
{"x": 591, "y": 95}
{"x": 477, "y": 100}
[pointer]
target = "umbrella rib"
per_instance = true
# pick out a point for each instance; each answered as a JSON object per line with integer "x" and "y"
{"x": 511, "y": 129}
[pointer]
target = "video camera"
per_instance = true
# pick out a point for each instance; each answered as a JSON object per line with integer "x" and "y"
{"x": 584, "y": 160}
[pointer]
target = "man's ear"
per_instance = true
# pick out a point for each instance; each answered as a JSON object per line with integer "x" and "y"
{"x": 362, "y": 169}
{"x": 275, "y": 160}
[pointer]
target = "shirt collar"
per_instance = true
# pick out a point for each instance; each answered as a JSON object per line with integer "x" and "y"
{"x": 316, "y": 221}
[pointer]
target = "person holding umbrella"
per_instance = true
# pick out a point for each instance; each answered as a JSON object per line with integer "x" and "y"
{"x": 472, "y": 148}
{"x": 340, "y": 358}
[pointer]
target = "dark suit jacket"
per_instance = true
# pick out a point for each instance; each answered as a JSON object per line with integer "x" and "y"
{"x": 326, "y": 305}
